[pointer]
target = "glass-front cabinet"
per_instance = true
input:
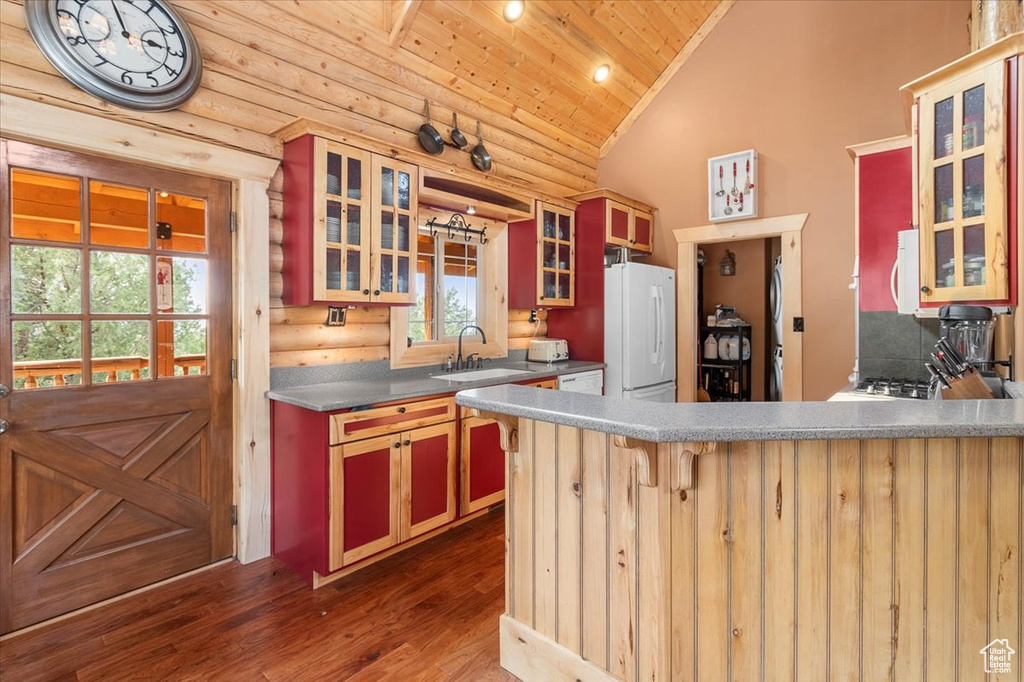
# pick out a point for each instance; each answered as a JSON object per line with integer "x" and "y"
{"x": 556, "y": 254}
{"x": 350, "y": 223}
{"x": 967, "y": 118}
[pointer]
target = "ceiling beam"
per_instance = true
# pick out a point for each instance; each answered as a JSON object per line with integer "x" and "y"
{"x": 673, "y": 67}
{"x": 401, "y": 21}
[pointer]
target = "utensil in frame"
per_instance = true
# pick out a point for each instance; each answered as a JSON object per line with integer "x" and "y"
{"x": 458, "y": 139}
{"x": 429, "y": 138}
{"x": 740, "y": 209}
{"x": 721, "y": 190}
{"x": 728, "y": 208}
{"x": 735, "y": 192}
{"x": 748, "y": 185}
{"x": 479, "y": 154}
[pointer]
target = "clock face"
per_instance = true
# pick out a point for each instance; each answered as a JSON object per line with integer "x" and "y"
{"x": 137, "y": 45}
{"x": 135, "y": 53}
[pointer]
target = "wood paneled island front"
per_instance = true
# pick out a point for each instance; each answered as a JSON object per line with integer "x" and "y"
{"x": 807, "y": 541}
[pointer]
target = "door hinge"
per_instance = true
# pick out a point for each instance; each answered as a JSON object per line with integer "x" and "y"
{"x": 234, "y": 515}
{"x": 234, "y": 369}
{"x": 234, "y": 221}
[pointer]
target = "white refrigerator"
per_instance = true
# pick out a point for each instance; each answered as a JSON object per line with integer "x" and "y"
{"x": 640, "y": 332}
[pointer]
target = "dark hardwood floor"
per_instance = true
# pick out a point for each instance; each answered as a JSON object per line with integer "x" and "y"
{"x": 430, "y": 613}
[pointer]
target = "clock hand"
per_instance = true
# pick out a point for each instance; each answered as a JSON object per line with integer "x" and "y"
{"x": 153, "y": 43}
{"x": 117, "y": 12}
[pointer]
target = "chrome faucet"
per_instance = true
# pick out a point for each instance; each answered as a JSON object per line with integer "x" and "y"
{"x": 459, "y": 363}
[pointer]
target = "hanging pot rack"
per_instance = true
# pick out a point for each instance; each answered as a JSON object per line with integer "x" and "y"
{"x": 457, "y": 225}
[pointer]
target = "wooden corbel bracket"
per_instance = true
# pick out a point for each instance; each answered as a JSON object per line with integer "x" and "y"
{"x": 680, "y": 456}
{"x": 508, "y": 428}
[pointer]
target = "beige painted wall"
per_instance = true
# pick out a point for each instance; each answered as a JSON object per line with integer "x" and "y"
{"x": 798, "y": 81}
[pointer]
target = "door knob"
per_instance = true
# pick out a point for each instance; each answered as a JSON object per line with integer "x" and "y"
{"x": 4, "y": 425}
{"x": 4, "y": 391}
{"x": 406, "y": 442}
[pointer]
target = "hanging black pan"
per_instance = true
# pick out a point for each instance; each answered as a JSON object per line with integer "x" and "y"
{"x": 458, "y": 139}
{"x": 481, "y": 157}
{"x": 430, "y": 139}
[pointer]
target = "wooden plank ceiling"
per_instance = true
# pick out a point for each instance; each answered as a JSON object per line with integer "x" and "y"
{"x": 366, "y": 66}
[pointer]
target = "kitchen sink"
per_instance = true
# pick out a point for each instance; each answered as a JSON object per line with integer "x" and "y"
{"x": 481, "y": 374}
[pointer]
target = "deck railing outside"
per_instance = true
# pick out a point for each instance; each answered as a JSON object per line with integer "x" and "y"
{"x": 61, "y": 370}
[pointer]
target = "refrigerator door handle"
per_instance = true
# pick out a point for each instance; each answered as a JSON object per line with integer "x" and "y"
{"x": 660, "y": 313}
{"x": 657, "y": 325}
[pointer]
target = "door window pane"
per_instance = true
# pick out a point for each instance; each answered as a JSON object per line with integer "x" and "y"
{"x": 460, "y": 287}
{"x": 403, "y": 190}
{"x": 118, "y": 215}
{"x": 403, "y": 274}
{"x": 181, "y": 285}
{"x": 974, "y": 186}
{"x": 973, "y": 132}
{"x": 333, "y": 173}
{"x": 118, "y": 282}
{"x": 46, "y": 353}
{"x": 549, "y": 254}
{"x": 120, "y": 350}
{"x": 387, "y": 230}
{"x": 944, "y": 193}
{"x": 974, "y": 255}
{"x": 564, "y": 228}
{"x": 355, "y": 178}
{"x": 563, "y": 257}
{"x": 387, "y": 273}
{"x": 181, "y": 223}
{"x": 563, "y": 286}
{"x": 45, "y": 279}
{"x": 387, "y": 187}
{"x": 181, "y": 347}
{"x": 549, "y": 285}
{"x": 944, "y": 128}
{"x": 403, "y": 232}
{"x": 334, "y": 269}
{"x": 945, "y": 263}
{"x": 45, "y": 206}
{"x": 549, "y": 224}
{"x": 354, "y": 225}
{"x": 333, "y": 222}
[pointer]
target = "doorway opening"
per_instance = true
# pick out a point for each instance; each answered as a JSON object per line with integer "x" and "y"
{"x": 768, "y": 240}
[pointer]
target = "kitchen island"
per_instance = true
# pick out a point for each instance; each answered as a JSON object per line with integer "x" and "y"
{"x": 758, "y": 541}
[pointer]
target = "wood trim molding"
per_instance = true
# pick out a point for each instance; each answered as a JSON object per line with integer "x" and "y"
{"x": 670, "y": 70}
{"x": 529, "y": 655}
{"x": 508, "y": 428}
{"x": 401, "y": 23}
{"x": 646, "y": 454}
{"x": 605, "y": 193}
{"x": 57, "y": 127}
{"x": 876, "y": 146}
{"x": 789, "y": 228}
{"x": 680, "y": 460}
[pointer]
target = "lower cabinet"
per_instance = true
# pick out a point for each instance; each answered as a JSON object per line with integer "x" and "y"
{"x": 389, "y": 489}
{"x": 482, "y": 463}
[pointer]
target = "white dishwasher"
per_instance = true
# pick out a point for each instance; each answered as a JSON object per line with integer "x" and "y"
{"x": 591, "y": 382}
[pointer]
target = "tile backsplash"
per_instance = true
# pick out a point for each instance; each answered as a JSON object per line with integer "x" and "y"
{"x": 895, "y": 345}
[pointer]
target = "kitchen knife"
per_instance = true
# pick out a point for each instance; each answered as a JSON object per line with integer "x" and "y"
{"x": 953, "y": 354}
{"x": 935, "y": 374}
{"x": 942, "y": 364}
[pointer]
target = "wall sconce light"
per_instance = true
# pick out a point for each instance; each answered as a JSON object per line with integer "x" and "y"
{"x": 727, "y": 266}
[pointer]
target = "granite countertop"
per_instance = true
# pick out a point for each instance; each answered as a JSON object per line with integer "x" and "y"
{"x": 683, "y": 422}
{"x": 341, "y": 395}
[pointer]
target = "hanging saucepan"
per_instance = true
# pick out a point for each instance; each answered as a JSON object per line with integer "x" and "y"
{"x": 458, "y": 139}
{"x": 481, "y": 157}
{"x": 430, "y": 139}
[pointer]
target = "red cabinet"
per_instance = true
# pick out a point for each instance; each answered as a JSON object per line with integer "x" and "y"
{"x": 884, "y": 207}
{"x": 428, "y": 479}
{"x": 483, "y": 465}
{"x": 364, "y": 503}
{"x": 624, "y": 221}
{"x": 542, "y": 259}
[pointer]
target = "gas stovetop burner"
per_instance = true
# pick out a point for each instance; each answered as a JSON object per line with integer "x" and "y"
{"x": 895, "y": 388}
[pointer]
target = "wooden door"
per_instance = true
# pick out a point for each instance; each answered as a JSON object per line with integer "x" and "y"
{"x": 482, "y": 464}
{"x": 341, "y": 226}
{"x": 617, "y": 224}
{"x": 428, "y": 479}
{"x": 365, "y": 485}
{"x": 115, "y": 340}
{"x": 643, "y": 231}
{"x": 963, "y": 189}
{"x": 556, "y": 254}
{"x": 394, "y": 230}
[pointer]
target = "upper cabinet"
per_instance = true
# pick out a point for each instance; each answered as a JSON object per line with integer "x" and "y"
{"x": 968, "y": 150}
{"x": 542, "y": 259}
{"x": 350, "y": 225}
{"x": 624, "y": 221}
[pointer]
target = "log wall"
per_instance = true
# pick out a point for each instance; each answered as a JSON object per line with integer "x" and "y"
{"x": 809, "y": 560}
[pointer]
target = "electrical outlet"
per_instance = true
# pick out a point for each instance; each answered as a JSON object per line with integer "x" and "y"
{"x": 533, "y": 316}
{"x": 335, "y": 316}
{"x": 798, "y": 324}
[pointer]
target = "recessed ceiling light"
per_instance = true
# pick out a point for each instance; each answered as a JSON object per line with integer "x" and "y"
{"x": 513, "y": 10}
{"x": 164, "y": 194}
{"x": 601, "y": 73}
{"x": 471, "y": 210}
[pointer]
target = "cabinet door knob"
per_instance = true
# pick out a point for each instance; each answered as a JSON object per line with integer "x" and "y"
{"x": 398, "y": 445}
{"x": 406, "y": 442}
{"x": 376, "y": 292}
{"x": 366, "y": 292}
{"x": 926, "y": 290}
{"x": 401, "y": 410}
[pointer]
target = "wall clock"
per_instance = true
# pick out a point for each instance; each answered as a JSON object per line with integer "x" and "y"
{"x": 137, "y": 54}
